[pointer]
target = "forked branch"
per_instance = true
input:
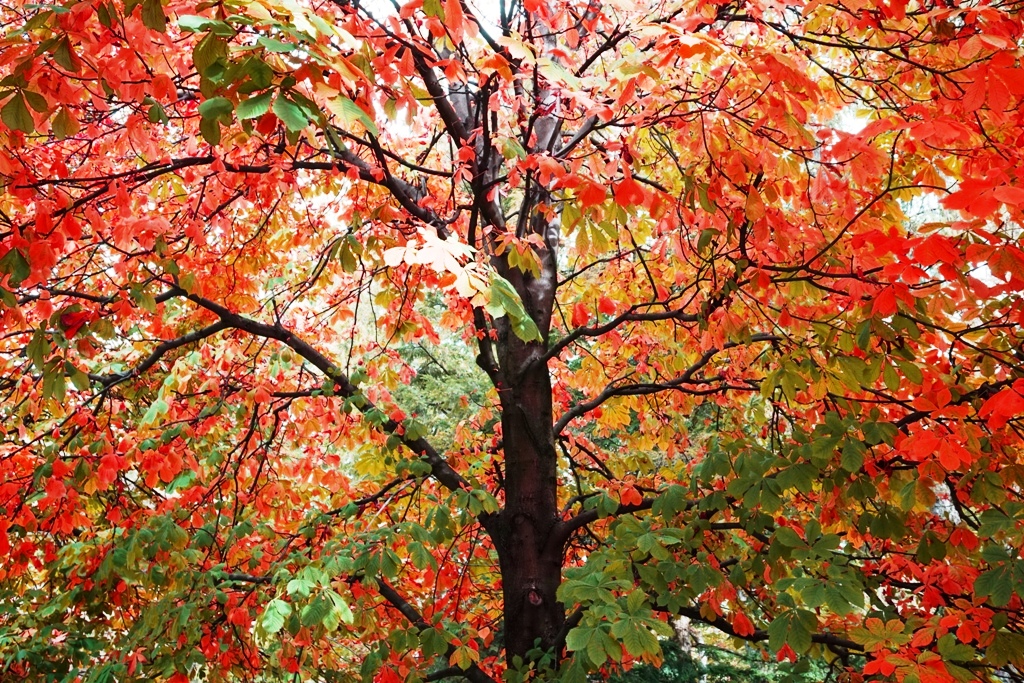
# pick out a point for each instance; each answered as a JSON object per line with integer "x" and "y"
{"x": 474, "y": 673}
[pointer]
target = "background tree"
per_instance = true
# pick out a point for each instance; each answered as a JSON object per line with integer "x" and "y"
{"x": 705, "y": 663}
{"x": 732, "y": 378}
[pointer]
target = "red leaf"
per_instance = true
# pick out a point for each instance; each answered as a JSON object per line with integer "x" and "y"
{"x": 591, "y": 194}
{"x": 1001, "y": 407}
{"x": 1009, "y": 194}
{"x": 580, "y": 315}
{"x": 742, "y": 625}
{"x": 630, "y": 496}
{"x": 885, "y": 303}
{"x": 937, "y": 248}
{"x": 238, "y": 616}
{"x": 628, "y": 192}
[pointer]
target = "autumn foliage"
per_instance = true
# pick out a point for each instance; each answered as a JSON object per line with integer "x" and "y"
{"x": 743, "y": 279}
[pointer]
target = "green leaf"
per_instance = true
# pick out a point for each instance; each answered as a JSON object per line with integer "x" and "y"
{"x": 8, "y": 298}
{"x": 350, "y": 112}
{"x": 260, "y": 75}
{"x": 794, "y": 628}
{"x": 910, "y": 371}
{"x": 65, "y": 56}
{"x": 144, "y": 299}
{"x": 210, "y": 130}
{"x": 879, "y": 432}
{"x": 511, "y": 148}
{"x": 1006, "y": 648}
{"x": 217, "y": 108}
{"x": 433, "y": 642}
{"x": 105, "y": 14}
{"x": 951, "y": 650}
{"x": 788, "y": 537}
{"x": 420, "y": 556}
{"x": 837, "y": 601}
{"x": 705, "y": 201}
{"x": 891, "y": 378}
{"x": 877, "y": 634}
{"x": 505, "y": 301}
{"x": 54, "y": 384}
{"x": 606, "y": 505}
{"x": 863, "y": 338}
{"x": 16, "y": 116}
{"x": 591, "y": 640}
{"x": 315, "y": 612}
{"x": 272, "y": 45}
{"x": 462, "y": 657}
{"x": 637, "y": 638}
{"x": 299, "y": 588}
{"x": 38, "y": 349}
{"x": 254, "y": 107}
{"x": 64, "y": 125}
{"x": 704, "y": 241}
{"x": 157, "y": 410}
{"x": 341, "y": 610}
{"x": 672, "y": 501}
{"x": 153, "y": 15}
{"x": 996, "y": 584}
{"x": 14, "y": 264}
{"x": 36, "y": 101}
{"x": 274, "y": 615}
{"x": 574, "y": 672}
{"x": 853, "y": 456}
{"x": 157, "y": 114}
{"x": 290, "y": 114}
{"x": 78, "y": 378}
{"x": 193, "y": 23}
{"x": 208, "y": 51}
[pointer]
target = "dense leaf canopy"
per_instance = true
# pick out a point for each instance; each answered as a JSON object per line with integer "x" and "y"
{"x": 741, "y": 281}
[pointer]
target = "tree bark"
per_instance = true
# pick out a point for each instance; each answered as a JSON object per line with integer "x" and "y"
{"x": 531, "y": 565}
{"x": 531, "y": 570}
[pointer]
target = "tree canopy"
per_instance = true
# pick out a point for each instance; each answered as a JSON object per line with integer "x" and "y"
{"x": 726, "y": 298}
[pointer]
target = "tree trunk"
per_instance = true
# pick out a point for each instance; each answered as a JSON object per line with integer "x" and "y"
{"x": 531, "y": 567}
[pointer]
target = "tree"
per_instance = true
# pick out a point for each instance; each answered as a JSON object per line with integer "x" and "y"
{"x": 712, "y": 664}
{"x": 743, "y": 277}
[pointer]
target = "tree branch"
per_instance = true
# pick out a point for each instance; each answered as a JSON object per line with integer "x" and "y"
{"x": 564, "y": 529}
{"x": 161, "y": 349}
{"x": 629, "y": 316}
{"x": 832, "y": 641}
{"x": 440, "y": 470}
{"x": 474, "y": 673}
{"x": 639, "y": 389}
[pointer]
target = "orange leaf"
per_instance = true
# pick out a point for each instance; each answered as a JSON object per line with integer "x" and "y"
{"x": 454, "y": 18}
{"x": 755, "y": 206}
